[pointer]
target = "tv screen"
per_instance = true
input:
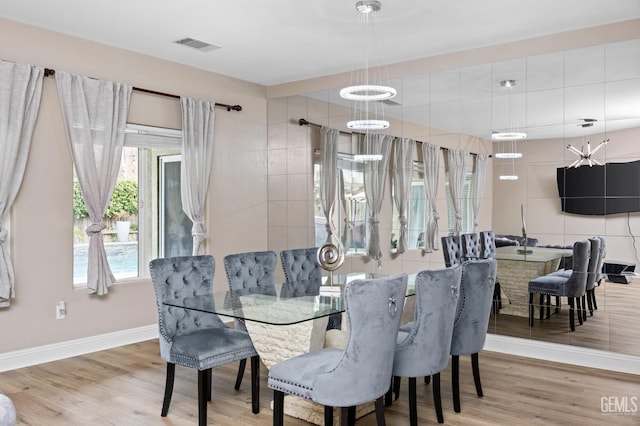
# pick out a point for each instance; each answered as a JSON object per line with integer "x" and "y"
{"x": 600, "y": 190}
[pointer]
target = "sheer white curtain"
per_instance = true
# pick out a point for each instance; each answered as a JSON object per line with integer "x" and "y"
{"x": 375, "y": 176}
{"x": 477, "y": 188}
{"x": 197, "y": 156}
{"x": 95, "y": 116}
{"x": 457, "y": 171}
{"x": 20, "y": 93}
{"x": 431, "y": 170}
{"x": 328, "y": 174}
{"x": 403, "y": 149}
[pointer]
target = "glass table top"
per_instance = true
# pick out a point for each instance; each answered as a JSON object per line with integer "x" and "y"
{"x": 279, "y": 306}
{"x": 537, "y": 254}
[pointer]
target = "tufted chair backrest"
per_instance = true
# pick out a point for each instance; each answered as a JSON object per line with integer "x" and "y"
{"x": 425, "y": 350}
{"x": 470, "y": 246}
{"x": 175, "y": 278}
{"x": 474, "y": 306}
{"x": 451, "y": 250}
{"x": 363, "y": 373}
{"x": 577, "y": 282}
{"x": 487, "y": 244}
{"x": 599, "y": 271}
{"x": 594, "y": 260}
{"x": 250, "y": 273}
{"x": 303, "y": 273}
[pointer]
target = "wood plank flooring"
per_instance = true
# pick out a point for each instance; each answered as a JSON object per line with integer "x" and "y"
{"x": 124, "y": 386}
{"x": 615, "y": 326}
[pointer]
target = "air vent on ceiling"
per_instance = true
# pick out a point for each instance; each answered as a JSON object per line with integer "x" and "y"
{"x": 197, "y": 44}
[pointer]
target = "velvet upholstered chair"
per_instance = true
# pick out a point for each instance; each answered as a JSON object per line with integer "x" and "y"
{"x": 470, "y": 246}
{"x": 303, "y": 274}
{"x": 572, "y": 287}
{"x": 362, "y": 371}
{"x": 423, "y": 349}
{"x": 472, "y": 319}
{"x": 451, "y": 250}
{"x": 249, "y": 273}
{"x": 195, "y": 339}
{"x": 488, "y": 251}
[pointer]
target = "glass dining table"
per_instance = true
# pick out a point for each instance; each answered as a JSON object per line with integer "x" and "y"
{"x": 284, "y": 322}
{"x": 279, "y": 305}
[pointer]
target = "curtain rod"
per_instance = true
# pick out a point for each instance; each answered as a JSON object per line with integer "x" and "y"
{"x": 48, "y": 72}
{"x": 305, "y": 122}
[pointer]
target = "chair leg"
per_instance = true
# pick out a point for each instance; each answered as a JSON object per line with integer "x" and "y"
{"x": 437, "y": 399}
{"x": 255, "y": 384}
{"x": 591, "y": 298}
{"x": 584, "y": 307}
{"x": 168, "y": 388}
{"x": 351, "y": 415}
{"x": 579, "y": 309}
{"x": 427, "y": 380}
{"x": 209, "y": 383}
{"x": 413, "y": 405}
{"x": 548, "y": 306}
{"x": 530, "y": 309}
{"x": 241, "y": 367}
{"x": 202, "y": 397}
{"x": 572, "y": 323}
{"x": 388, "y": 397}
{"x": 328, "y": 415}
{"x": 455, "y": 382}
{"x": 558, "y": 300}
{"x": 380, "y": 413}
{"x": 475, "y": 366}
{"x": 396, "y": 386}
{"x": 278, "y": 409}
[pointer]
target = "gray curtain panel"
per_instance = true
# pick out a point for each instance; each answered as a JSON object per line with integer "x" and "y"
{"x": 95, "y": 116}
{"x": 403, "y": 149}
{"x": 345, "y": 208}
{"x": 20, "y": 93}
{"x": 477, "y": 188}
{"x": 197, "y": 156}
{"x": 375, "y": 177}
{"x": 431, "y": 170}
{"x": 328, "y": 175}
{"x": 457, "y": 171}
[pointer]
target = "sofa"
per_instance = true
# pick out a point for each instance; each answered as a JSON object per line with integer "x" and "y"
{"x": 7, "y": 411}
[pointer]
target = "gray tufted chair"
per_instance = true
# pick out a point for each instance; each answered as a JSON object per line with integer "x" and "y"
{"x": 451, "y": 250}
{"x": 195, "y": 339}
{"x": 362, "y": 371}
{"x": 472, "y": 319}
{"x": 591, "y": 296}
{"x": 556, "y": 284}
{"x": 303, "y": 274}
{"x": 249, "y": 273}
{"x": 423, "y": 350}
{"x": 470, "y": 246}
{"x": 487, "y": 251}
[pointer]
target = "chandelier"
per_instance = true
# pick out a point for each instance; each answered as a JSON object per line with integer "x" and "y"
{"x": 508, "y": 134}
{"x": 366, "y": 92}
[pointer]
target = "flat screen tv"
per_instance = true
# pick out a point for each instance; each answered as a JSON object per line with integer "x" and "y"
{"x": 600, "y": 190}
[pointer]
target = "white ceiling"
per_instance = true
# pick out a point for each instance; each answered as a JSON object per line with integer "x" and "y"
{"x": 279, "y": 41}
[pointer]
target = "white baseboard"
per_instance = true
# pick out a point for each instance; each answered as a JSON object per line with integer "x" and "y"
{"x": 566, "y": 354}
{"x": 556, "y": 352}
{"x": 71, "y": 348}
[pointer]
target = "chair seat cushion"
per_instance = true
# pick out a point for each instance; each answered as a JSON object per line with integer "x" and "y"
{"x": 562, "y": 273}
{"x": 209, "y": 348}
{"x": 553, "y": 285}
{"x": 296, "y": 375}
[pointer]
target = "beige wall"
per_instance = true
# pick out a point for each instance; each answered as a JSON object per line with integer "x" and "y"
{"x": 41, "y": 220}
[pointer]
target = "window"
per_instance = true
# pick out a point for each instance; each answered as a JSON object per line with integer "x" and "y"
{"x": 350, "y": 212}
{"x": 147, "y": 203}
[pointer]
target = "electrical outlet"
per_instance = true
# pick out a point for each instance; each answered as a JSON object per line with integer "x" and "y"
{"x": 61, "y": 310}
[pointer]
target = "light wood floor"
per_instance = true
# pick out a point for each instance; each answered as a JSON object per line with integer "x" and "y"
{"x": 614, "y": 327}
{"x": 124, "y": 386}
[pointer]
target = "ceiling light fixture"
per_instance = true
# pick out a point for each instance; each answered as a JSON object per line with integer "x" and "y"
{"x": 511, "y": 132}
{"x": 365, "y": 92}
